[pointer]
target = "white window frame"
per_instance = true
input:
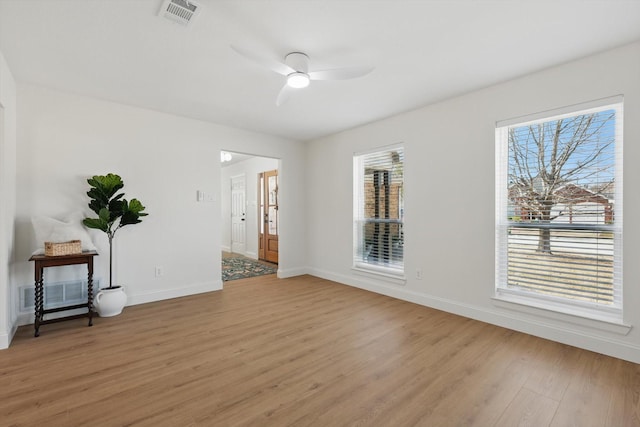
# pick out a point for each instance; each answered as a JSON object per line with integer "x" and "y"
{"x": 610, "y": 314}
{"x": 394, "y": 272}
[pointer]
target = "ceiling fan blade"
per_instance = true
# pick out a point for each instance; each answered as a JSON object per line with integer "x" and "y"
{"x": 284, "y": 94}
{"x": 340, "y": 73}
{"x": 269, "y": 63}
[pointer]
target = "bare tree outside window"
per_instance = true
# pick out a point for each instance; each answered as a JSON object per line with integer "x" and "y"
{"x": 562, "y": 163}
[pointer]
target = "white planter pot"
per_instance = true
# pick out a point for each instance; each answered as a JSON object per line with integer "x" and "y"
{"x": 110, "y": 302}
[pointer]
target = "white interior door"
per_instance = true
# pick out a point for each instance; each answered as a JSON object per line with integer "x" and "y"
{"x": 238, "y": 214}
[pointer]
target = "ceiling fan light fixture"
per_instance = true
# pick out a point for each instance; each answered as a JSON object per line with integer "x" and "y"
{"x": 298, "y": 80}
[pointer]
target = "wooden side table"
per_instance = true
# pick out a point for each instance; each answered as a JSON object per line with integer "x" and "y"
{"x": 43, "y": 261}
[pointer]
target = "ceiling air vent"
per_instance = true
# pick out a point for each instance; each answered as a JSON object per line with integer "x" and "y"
{"x": 180, "y": 11}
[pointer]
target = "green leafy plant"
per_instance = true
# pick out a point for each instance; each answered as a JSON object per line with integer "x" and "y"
{"x": 113, "y": 210}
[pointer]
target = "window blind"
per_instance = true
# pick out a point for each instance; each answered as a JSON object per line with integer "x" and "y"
{"x": 559, "y": 207}
{"x": 379, "y": 210}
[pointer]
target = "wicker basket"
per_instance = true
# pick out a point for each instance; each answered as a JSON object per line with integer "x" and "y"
{"x": 62, "y": 248}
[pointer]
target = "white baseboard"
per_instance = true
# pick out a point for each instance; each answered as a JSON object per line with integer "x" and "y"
{"x": 292, "y": 272}
{"x": 25, "y": 318}
{"x": 5, "y": 340}
{"x": 566, "y": 333}
{"x": 146, "y": 297}
{"x": 225, "y": 248}
{"x": 248, "y": 254}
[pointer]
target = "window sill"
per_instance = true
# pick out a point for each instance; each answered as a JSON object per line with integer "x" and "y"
{"x": 381, "y": 274}
{"x": 604, "y": 321}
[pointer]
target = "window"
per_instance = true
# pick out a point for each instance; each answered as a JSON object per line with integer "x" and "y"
{"x": 559, "y": 210}
{"x": 379, "y": 211}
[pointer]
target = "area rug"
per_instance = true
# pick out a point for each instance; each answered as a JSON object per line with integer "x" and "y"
{"x": 240, "y": 268}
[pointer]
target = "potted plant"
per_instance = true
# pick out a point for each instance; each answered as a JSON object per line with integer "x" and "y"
{"x": 114, "y": 212}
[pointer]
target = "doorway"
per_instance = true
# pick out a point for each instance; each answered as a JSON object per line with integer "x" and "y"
{"x": 269, "y": 225}
{"x": 243, "y": 171}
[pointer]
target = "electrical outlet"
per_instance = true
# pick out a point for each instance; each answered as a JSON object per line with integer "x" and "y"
{"x": 419, "y": 273}
{"x": 159, "y": 271}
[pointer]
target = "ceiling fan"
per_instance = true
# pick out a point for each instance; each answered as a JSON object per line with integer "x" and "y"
{"x": 295, "y": 68}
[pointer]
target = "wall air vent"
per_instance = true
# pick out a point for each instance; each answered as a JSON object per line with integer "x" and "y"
{"x": 57, "y": 294}
{"x": 180, "y": 11}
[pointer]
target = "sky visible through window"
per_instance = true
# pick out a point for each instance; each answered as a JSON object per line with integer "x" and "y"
{"x": 546, "y": 158}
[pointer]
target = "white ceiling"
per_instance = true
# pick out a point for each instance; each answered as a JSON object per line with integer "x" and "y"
{"x": 423, "y": 51}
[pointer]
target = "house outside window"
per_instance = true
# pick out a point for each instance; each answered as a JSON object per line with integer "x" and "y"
{"x": 378, "y": 234}
{"x": 559, "y": 210}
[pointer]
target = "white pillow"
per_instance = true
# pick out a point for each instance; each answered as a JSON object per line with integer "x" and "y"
{"x": 53, "y": 230}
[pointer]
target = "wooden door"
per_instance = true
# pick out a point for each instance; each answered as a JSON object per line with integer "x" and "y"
{"x": 269, "y": 222}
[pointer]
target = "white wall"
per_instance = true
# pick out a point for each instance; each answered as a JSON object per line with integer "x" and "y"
{"x": 8, "y": 312}
{"x": 164, "y": 160}
{"x": 449, "y": 198}
{"x": 250, "y": 168}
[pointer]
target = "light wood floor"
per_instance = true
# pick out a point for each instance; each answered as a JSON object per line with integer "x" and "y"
{"x": 305, "y": 352}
